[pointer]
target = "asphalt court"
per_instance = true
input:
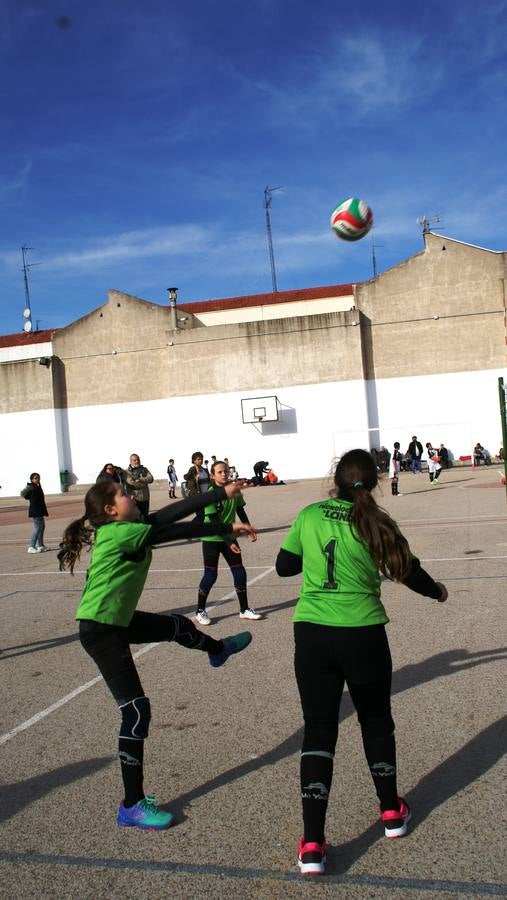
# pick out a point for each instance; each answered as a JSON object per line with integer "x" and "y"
{"x": 223, "y": 750}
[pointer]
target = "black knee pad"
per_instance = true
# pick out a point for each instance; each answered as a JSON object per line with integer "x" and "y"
{"x": 135, "y": 719}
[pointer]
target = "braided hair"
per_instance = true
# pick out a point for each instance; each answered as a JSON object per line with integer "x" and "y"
{"x": 79, "y": 534}
{"x": 355, "y": 477}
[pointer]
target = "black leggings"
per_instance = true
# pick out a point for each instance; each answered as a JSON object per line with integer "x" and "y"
{"x": 326, "y": 658}
{"x": 211, "y": 551}
{"x": 109, "y": 647}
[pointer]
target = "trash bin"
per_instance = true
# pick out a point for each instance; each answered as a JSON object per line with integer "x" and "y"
{"x": 65, "y": 480}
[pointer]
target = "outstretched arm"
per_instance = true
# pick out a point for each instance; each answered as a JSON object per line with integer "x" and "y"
{"x": 422, "y": 583}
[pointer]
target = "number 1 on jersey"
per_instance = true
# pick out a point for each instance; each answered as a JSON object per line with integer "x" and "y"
{"x": 329, "y": 550}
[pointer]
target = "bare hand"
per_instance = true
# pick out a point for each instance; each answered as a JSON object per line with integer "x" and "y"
{"x": 233, "y": 488}
{"x": 244, "y": 528}
{"x": 235, "y": 548}
{"x": 444, "y": 590}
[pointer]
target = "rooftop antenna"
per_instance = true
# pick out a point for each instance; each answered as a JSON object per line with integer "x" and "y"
{"x": 267, "y": 203}
{"x": 426, "y": 222}
{"x": 373, "y": 256}
{"x": 27, "y": 312}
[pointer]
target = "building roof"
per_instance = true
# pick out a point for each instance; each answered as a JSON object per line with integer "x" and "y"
{"x": 24, "y": 339}
{"x": 316, "y": 293}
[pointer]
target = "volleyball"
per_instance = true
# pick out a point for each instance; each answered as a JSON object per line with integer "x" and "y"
{"x": 351, "y": 219}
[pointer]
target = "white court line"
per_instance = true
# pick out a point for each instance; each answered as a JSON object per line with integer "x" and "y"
{"x": 83, "y": 571}
{"x": 84, "y": 687}
{"x": 470, "y": 558}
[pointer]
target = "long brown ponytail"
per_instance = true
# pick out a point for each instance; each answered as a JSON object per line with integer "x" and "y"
{"x": 78, "y": 534}
{"x": 355, "y": 478}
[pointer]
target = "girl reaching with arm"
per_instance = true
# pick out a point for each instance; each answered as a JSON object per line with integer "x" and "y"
{"x": 121, "y": 542}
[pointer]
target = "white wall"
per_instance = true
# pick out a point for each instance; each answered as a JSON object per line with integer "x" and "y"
{"x": 284, "y": 310}
{"x": 28, "y": 444}
{"x": 25, "y": 351}
{"x": 317, "y": 423}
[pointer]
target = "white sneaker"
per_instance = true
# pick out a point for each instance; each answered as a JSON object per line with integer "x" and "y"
{"x": 32, "y": 550}
{"x": 250, "y": 614}
{"x": 202, "y": 617}
{"x": 41, "y": 548}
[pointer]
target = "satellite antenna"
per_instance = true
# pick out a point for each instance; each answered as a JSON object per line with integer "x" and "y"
{"x": 27, "y": 312}
{"x": 267, "y": 203}
{"x": 426, "y": 222}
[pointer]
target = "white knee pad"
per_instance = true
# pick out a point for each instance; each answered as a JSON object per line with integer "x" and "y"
{"x": 135, "y": 719}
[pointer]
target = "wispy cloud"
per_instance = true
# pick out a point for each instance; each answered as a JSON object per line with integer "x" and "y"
{"x": 17, "y": 183}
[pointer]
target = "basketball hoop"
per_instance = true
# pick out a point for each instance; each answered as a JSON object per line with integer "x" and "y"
{"x": 260, "y": 419}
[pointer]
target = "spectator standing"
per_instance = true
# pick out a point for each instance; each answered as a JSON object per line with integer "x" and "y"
{"x": 415, "y": 451}
{"x": 37, "y": 510}
{"x": 173, "y": 479}
{"x": 197, "y": 480}
{"x": 110, "y": 472}
{"x": 138, "y": 478}
{"x": 384, "y": 458}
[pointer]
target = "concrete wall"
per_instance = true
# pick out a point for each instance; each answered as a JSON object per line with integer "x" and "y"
{"x": 122, "y": 380}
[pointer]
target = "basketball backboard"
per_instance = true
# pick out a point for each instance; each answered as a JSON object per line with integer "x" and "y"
{"x": 255, "y": 410}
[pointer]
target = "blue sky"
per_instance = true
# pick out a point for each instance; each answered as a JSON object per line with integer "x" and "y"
{"x": 136, "y": 142}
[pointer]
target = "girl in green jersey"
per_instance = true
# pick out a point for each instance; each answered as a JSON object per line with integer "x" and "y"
{"x": 213, "y": 547}
{"x": 340, "y": 545}
{"x": 121, "y": 542}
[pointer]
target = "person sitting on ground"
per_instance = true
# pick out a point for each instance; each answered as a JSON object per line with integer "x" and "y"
{"x": 260, "y": 469}
{"x": 480, "y": 453}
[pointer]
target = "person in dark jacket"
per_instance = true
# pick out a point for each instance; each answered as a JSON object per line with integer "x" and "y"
{"x": 110, "y": 472}
{"x": 260, "y": 468}
{"x": 415, "y": 451}
{"x": 37, "y": 510}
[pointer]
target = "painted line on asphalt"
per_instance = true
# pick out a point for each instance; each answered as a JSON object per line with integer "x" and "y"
{"x": 84, "y": 687}
{"x": 253, "y": 580}
{"x": 439, "y": 885}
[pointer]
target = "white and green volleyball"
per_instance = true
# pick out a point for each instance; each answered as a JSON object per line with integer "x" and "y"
{"x": 351, "y": 219}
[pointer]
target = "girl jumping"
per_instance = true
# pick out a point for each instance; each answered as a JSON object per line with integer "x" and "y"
{"x": 109, "y": 623}
{"x": 222, "y": 513}
{"x": 339, "y": 545}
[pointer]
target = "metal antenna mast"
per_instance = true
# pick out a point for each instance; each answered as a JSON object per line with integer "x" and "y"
{"x": 267, "y": 203}
{"x": 27, "y": 312}
{"x": 373, "y": 255}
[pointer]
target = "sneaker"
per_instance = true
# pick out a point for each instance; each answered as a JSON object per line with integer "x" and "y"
{"x": 234, "y": 644}
{"x": 250, "y": 614}
{"x": 311, "y": 857}
{"x": 145, "y": 815}
{"x": 32, "y": 550}
{"x": 202, "y": 617}
{"x": 395, "y": 820}
{"x": 41, "y": 548}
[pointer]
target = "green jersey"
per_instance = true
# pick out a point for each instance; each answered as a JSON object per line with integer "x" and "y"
{"x": 341, "y": 582}
{"x": 224, "y": 511}
{"x": 117, "y": 573}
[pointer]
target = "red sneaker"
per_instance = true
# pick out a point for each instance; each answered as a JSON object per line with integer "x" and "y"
{"x": 395, "y": 820}
{"x": 311, "y": 857}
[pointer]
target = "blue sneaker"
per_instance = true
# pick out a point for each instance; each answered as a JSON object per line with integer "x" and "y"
{"x": 234, "y": 644}
{"x": 145, "y": 815}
